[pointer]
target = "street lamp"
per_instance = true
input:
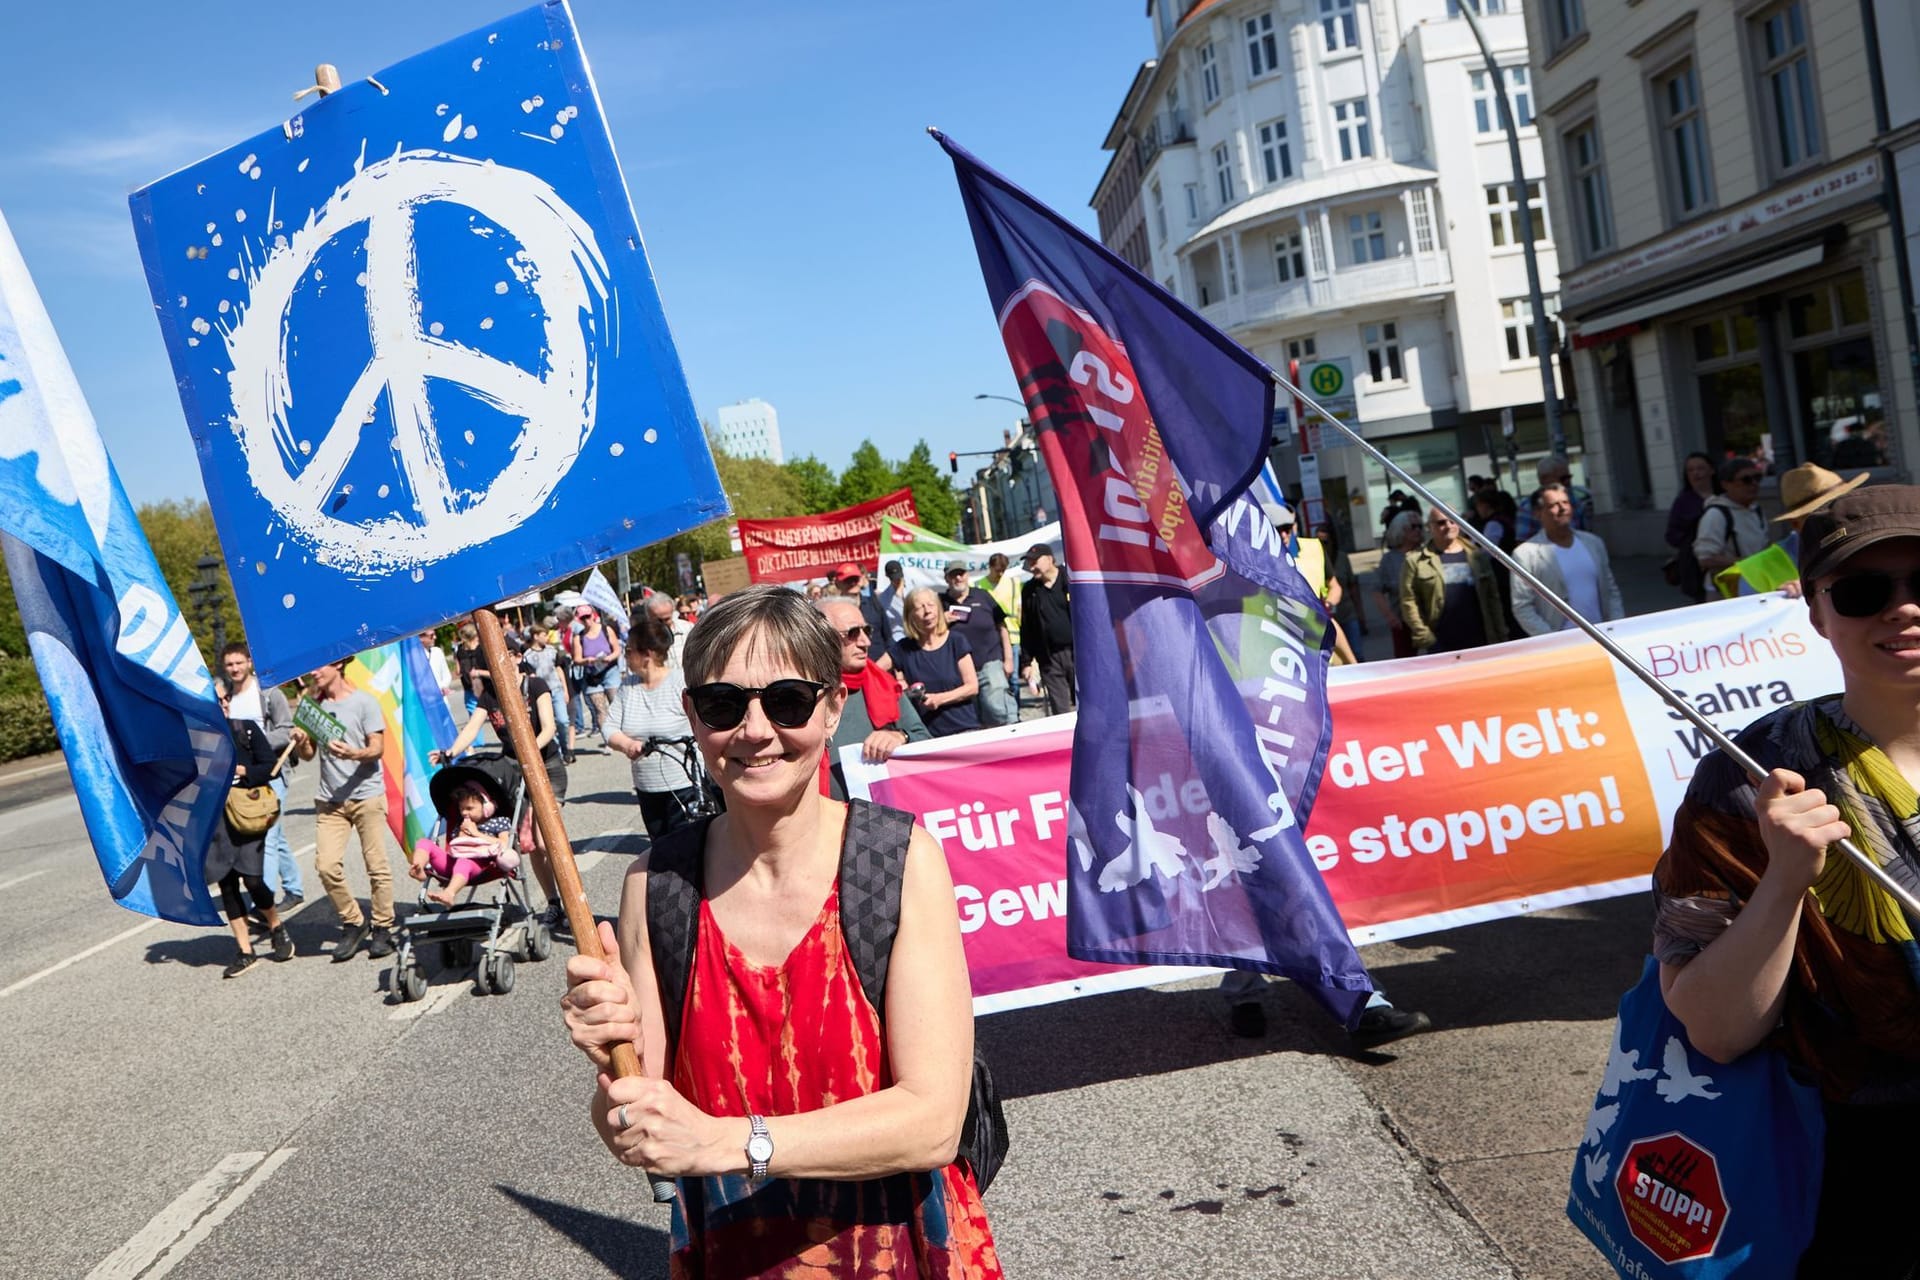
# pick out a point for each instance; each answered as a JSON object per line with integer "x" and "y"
{"x": 1009, "y": 399}
{"x": 205, "y": 590}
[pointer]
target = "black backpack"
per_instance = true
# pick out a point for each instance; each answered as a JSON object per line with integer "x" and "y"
{"x": 873, "y": 858}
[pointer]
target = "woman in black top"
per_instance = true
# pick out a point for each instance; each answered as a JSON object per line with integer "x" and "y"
{"x": 938, "y": 666}
{"x": 234, "y": 860}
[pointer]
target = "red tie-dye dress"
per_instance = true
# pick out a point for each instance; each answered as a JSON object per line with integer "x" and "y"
{"x": 778, "y": 1040}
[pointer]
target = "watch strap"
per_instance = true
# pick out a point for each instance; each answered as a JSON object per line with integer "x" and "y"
{"x": 759, "y": 1137}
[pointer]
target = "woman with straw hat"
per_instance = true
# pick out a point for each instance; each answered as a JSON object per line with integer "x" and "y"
{"x": 1805, "y": 489}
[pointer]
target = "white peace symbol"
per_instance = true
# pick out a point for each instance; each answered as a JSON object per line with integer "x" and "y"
{"x": 563, "y": 268}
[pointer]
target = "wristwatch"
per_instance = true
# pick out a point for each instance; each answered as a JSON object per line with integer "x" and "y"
{"x": 759, "y": 1148}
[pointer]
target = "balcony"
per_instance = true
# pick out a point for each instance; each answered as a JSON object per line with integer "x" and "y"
{"x": 1169, "y": 128}
{"x": 1348, "y": 286}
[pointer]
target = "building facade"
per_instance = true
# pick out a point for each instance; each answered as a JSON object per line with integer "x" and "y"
{"x": 1329, "y": 181}
{"x": 749, "y": 429}
{"x": 1731, "y": 275}
{"x": 1116, "y": 200}
{"x": 1013, "y": 494}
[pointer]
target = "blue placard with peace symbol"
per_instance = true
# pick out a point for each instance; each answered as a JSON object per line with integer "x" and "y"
{"x": 420, "y": 348}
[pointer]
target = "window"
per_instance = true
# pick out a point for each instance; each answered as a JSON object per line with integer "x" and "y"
{"x": 1422, "y": 203}
{"x": 1355, "y": 133}
{"x": 1516, "y": 317}
{"x": 1503, "y": 214}
{"x": 1337, "y": 24}
{"x": 1159, "y": 214}
{"x": 1233, "y": 267}
{"x": 1169, "y": 15}
{"x": 1589, "y": 180}
{"x": 1482, "y": 7}
{"x": 1486, "y": 116}
{"x": 1209, "y": 74}
{"x": 1223, "y": 173}
{"x": 1383, "y": 351}
{"x": 1836, "y": 380}
{"x": 1683, "y": 140}
{"x": 1565, "y": 20}
{"x": 1276, "y": 157}
{"x": 1193, "y": 202}
{"x": 1302, "y": 348}
{"x": 1263, "y": 47}
{"x": 1366, "y": 237}
{"x": 1786, "y": 87}
{"x": 1289, "y": 258}
{"x": 1316, "y": 244}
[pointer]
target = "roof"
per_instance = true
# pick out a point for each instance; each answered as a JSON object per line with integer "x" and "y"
{"x": 1344, "y": 181}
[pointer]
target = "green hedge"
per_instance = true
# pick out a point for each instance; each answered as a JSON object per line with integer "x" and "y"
{"x": 26, "y": 726}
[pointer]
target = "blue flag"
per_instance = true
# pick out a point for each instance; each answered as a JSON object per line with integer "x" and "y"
{"x": 131, "y": 699}
{"x": 1200, "y": 651}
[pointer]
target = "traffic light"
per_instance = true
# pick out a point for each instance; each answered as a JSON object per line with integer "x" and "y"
{"x": 953, "y": 461}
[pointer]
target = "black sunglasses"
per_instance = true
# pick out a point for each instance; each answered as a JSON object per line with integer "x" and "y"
{"x": 1861, "y": 595}
{"x": 1750, "y": 478}
{"x": 788, "y": 703}
{"x": 854, "y": 633}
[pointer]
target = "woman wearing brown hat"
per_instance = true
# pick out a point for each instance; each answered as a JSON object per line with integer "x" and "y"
{"x": 1765, "y": 936}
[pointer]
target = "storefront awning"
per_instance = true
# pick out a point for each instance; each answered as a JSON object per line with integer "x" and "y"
{"x": 1705, "y": 291}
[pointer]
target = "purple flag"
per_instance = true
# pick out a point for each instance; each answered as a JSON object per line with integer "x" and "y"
{"x": 1201, "y": 653}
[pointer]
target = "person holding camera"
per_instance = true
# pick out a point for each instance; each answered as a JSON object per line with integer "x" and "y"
{"x": 938, "y": 666}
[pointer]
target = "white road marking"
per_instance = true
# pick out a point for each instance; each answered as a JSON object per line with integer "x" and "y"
{"x": 8, "y": 884}
{"x": 76, "y": 958}
{"x": 179, "y": 1228}
{"x": 98, "y": 947}
{"x": 433, "y": 1003}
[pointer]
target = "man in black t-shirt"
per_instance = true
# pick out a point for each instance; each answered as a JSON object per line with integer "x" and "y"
{"x": 978, "y": 616}
{"x": 1046, "y": 627}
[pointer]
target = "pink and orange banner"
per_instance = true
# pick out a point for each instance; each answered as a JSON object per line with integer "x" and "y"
{"x": 1459, "y": 788}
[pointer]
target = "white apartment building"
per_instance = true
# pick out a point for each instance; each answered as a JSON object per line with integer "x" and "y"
{"x": 749, "y": 429}
{"x": 1732, "y": 279}
{"x": 1329, "y": 181}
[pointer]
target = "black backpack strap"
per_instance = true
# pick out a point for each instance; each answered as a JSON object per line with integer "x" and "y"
{"x": 676, "y": 875}
{"x": 873, "y": 861}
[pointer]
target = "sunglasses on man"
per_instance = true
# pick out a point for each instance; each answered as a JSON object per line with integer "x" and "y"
{"x": 1861, "y": 595}
{"x": 854, "y": 633}
{"x": 787, "y": 703}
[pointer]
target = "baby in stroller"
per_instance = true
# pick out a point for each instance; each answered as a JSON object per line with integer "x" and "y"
{"x": 479, "y": 837}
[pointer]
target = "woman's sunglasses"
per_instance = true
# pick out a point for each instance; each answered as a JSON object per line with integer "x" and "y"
{"x": 1861, "y": 595}
{"x": 788, "y": 703}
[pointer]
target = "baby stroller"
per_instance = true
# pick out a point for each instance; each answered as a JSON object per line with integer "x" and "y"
{"x": 485, "y": 930}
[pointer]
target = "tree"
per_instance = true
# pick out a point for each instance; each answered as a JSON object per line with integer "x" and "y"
{"x": 817, "y": 484}
{"x": 938, "y": 506}
{"x": 868, "y": 476}
{"x": 180, "y": 532}
{"x": 756, "y": 489}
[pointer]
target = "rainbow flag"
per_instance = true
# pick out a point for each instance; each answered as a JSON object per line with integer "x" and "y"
{"x": 398, "y": 677}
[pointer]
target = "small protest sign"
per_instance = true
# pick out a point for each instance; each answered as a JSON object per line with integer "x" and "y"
{"x": 317, "y": 723}
{"x": 419, "y": 346}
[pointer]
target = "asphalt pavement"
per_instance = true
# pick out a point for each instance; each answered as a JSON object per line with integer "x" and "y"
{"x": 300, "y": 1121}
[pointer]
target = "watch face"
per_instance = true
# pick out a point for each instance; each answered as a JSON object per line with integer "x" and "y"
{"x": 760, "y": 1148}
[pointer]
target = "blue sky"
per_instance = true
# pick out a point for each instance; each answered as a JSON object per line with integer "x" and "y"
{"x": 808, "y": 240}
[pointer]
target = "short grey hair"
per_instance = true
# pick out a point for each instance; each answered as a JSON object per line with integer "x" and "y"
{"x": 1399, "y": 526}
{"x": 783, "y": 623}
{"x": 1551, "y": 465}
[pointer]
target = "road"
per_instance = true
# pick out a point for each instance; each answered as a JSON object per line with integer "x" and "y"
{"x": 299, "y": 1122}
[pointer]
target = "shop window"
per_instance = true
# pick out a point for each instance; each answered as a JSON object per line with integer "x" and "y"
{"x": 1836, "y": 377}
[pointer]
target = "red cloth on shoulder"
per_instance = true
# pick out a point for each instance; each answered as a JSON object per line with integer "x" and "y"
{"x": 883, "y": 709}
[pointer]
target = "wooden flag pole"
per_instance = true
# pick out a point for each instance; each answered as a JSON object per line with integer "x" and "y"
{"x": 553, "y": 833}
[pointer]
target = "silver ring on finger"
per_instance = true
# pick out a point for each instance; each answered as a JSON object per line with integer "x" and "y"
{"x": 624, "y": 1122}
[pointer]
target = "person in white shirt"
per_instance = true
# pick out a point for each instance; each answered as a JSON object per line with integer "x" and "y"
{"x": 248, "y": 700}
{"x": 1569, "y": 562}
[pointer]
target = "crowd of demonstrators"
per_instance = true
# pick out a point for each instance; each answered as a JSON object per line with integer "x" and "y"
{"x": 350, "y": 799}
{"x": 1046, "y": 628}
{"x": 1804, "y": 490}
{"x": 829, "y": 1140}
{"x": 1766, "y": 935}
{"x": 1554, "y": 469}
{"x": 1448, "y": 596}
{"x": 648, "y": 705}
{"x": 875, "y": 717}
{"x": 1569, "y": 562}
{"x": 540, "y": 715}
{"x": 248, "y": 699}
{"x": 1343, "y": 591}
{"x": 1402, "y": 537}
{"x": 979, "y": 618}
{"x": 938, "y": 665}
{"x": 593, "y": 652}
{"x": 1731, "y": 527}
{"x": 1005, "y": 590}
{"x": 236, "y": 859}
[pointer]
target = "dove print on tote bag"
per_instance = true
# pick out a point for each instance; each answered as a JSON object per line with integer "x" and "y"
{"x": 1691, "y": 1168}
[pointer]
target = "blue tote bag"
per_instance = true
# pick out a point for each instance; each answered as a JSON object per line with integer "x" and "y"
{"x": 1692, "y": 1169}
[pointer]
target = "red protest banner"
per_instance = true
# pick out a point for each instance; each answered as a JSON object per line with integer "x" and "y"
{"x": 810, "y": 546}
